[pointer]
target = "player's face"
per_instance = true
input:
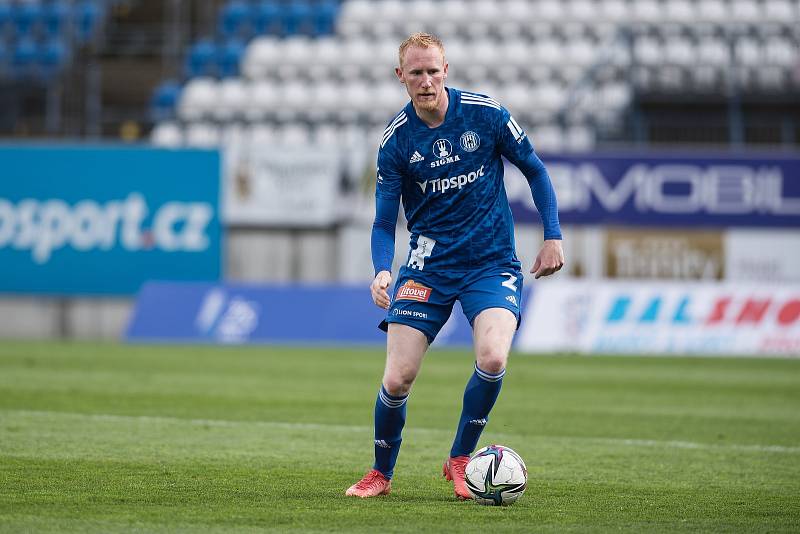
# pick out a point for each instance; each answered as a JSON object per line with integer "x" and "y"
{"x": 423, "y": 71}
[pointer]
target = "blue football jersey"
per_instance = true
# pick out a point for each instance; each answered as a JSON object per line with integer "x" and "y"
{"x": 450, "y": 180}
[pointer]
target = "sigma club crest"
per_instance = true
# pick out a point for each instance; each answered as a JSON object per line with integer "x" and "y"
{"x": 470, "y": 141}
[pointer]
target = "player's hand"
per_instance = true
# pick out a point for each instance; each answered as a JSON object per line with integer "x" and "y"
{"x": 378, "y": 289}
{"x": 549, "y": 260}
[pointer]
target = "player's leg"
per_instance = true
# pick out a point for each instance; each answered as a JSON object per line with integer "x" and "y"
{"x": 491, "y": 303}
{"x": 493, "y": 331}
{"x": 405, "y": 348}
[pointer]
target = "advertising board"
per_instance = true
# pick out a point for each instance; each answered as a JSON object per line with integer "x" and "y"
{"x": 663, "y": 318}
{"x": 667, "y": 189}
{"x": 79, "y": 220}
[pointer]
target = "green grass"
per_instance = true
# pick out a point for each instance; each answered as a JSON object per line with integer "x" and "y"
{"x": 108, "y": 438}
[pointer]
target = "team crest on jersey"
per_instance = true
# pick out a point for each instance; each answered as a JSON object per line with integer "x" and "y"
{"x": 443, "y": 151}
{"x": 442, "y": 148}
{"x": 470, "y": 141}
{"x": 411, "y": 290}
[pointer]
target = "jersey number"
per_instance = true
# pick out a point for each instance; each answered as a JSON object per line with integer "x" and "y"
{"x": 510, "y": 283}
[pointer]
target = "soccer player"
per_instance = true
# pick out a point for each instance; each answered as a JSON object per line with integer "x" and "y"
{"x": 442, "y": 156}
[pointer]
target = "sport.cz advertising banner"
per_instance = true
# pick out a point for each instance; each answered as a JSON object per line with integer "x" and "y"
{"x": 663, "y": 318}
{"x": 100, "y": 220}
{"x": 660, "y": 189}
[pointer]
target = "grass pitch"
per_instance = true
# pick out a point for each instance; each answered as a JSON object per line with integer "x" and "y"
{"x": 109, "y": 438}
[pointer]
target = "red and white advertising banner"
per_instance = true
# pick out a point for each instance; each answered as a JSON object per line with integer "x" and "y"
{"x": 657, "y": 317}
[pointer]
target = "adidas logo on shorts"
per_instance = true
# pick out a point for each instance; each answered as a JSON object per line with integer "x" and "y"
{"x": 417, "y": 157}
{"x": 512, "y": 299}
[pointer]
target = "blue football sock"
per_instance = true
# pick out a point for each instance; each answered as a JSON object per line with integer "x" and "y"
{"x": 479, "y": 397}
{"x": 390, "y": 417}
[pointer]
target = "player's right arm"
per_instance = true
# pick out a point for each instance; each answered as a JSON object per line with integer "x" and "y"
{"x": 388, "y": 188}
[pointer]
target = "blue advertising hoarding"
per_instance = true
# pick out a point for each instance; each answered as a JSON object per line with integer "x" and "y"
{"x": 667, "y": 189}
{"x": 249, "y": 313}
{"x": 102, "y": 220}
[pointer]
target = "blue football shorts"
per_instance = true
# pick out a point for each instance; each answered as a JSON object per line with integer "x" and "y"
{"x": 424, "y": 300}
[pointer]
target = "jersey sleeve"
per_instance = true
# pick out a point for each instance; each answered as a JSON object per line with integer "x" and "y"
{"x": 517, "y": 148}
{"x": 388, "y": 188}
{"x": 512, "y": 140}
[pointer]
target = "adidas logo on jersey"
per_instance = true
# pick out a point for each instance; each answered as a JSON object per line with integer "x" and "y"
{"x": 417, "y": 157}
{"x": 513, "y": 300}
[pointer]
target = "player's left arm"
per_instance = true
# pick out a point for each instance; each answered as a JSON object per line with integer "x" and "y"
{"x": 517, "y": 148}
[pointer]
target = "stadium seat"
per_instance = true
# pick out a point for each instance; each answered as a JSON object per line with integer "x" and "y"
{"x": 229, "y": 58}
{"x": 86, "y": 16}
{"x": 202, "y": 135}
{"x": 779, "y": 11}
{"x": 260, "y": 56}
{"x": 294, "y": 134}
{"x": 298, "y": 17}
{"x": 26, "y": 16}
{"x": 324, "y": 17}
{"x": 613, "y": 11}
{"x": 56, "y": 17}
{"x": 24, "y": 58}
{"x": 712, "y": 11}
{"x": 235, "y": 19}
{"x": 262, "y": 101}
{"x": 164, "y": 101}
{"x": 52, "y": 57}
{"x": 259, "y": 135}
{"x": 198, "y": 99}
{"x": 268, "y": 18}
{"x": 167, "y": 134}
{"x": 647, "y": 11}
{"x": 680, "y": 11}
{"x": 583, "y": 10}
{"x": 202, "y": 59}
{"x": 232, "y": 99}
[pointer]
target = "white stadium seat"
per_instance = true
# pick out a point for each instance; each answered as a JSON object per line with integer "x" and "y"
{"x": 681, "y": 11}
{"x": 647, "y": 11}
{"x": 260, "y": 56}
{"x": 167, "y": 134}
{"x": 202, "y": 135}
{"x": 232, "y": 100}
{"x": 713, "y": 11}
{"x": 263, "y": 100}
{"x": 198, "y": 99}
{"x": 262, "y": 134}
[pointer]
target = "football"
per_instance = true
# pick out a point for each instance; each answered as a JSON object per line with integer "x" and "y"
{"x": 496, "y": 475}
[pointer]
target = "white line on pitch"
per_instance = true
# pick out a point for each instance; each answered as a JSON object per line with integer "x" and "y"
{"x": 149, "y": 419}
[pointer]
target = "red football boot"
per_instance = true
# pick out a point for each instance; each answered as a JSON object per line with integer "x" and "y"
{"x": 453, "y": 469}
{"x": 372, "y": 485}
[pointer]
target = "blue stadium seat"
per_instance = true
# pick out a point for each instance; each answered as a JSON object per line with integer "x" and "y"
{"x": 164, "y": 101}
{"x": 202, "y": 60}
{"x": 86, "y": 16}
{"x": 52, "y": 57}
{"x": 25, "y": 55}
{"x": 268, "y": 18}
{"x": 56, "y": 17}
{"x": 298, "y": 18}
{"x": 235, "y": 19}
{"x": 26, "y": 16}
{"x": 5, "y": 16}
{"x": 325, "y": 17}
{"x": 230, "y": 56}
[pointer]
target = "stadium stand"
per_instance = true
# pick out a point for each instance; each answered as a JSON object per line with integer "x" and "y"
{"x": 569, "y": 70}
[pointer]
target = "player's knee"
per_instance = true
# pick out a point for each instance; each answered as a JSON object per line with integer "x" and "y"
{"x": 398, "y": 385}
{"x": 491, "y": 359}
